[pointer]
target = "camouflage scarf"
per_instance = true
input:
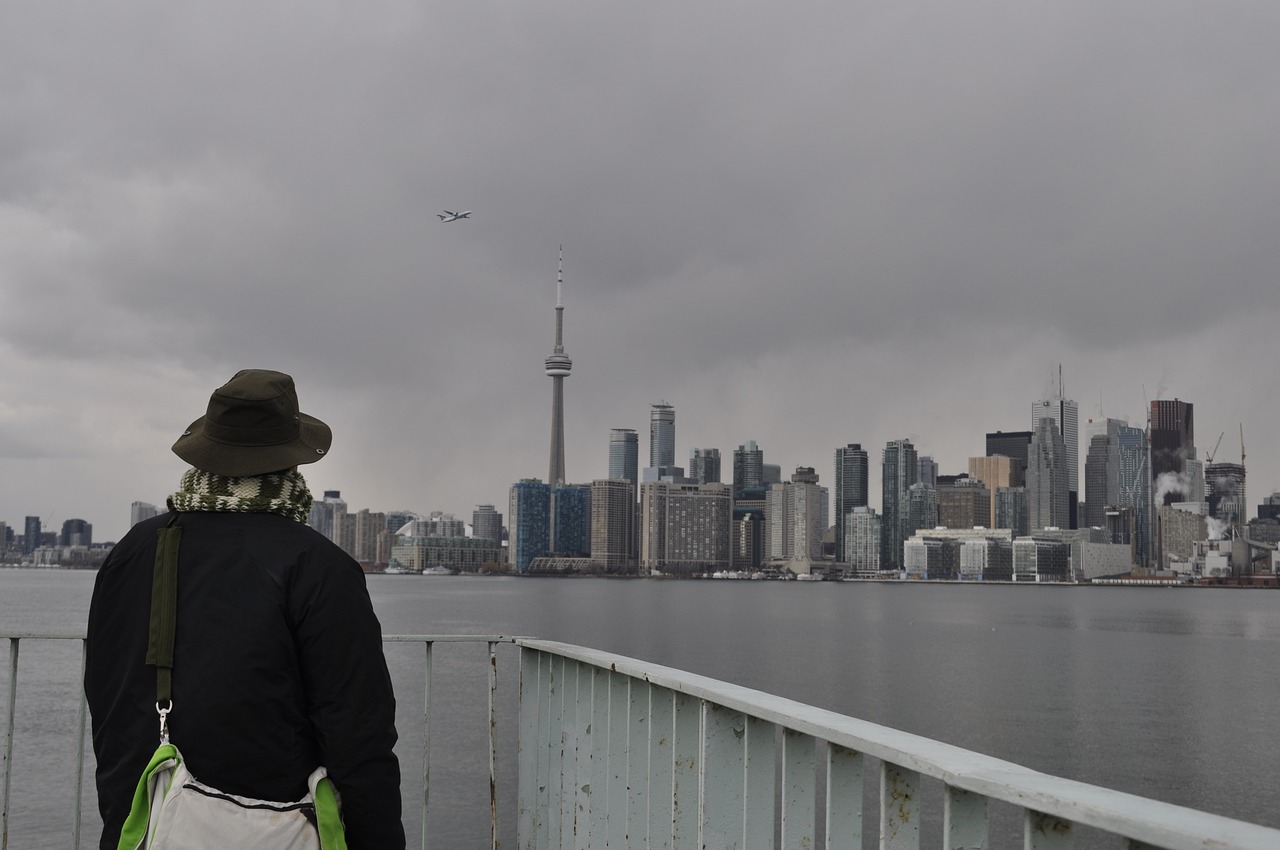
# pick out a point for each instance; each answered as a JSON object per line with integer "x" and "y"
{"x": 282, "y": 493}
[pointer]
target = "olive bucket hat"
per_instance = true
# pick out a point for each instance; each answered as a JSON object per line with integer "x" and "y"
{"x": 252, "y": 427}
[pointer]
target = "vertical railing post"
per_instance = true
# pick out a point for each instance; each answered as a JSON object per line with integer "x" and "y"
{"x": 760, "y": 785}
{"x": 527, "y": 746}
{"x": 964, "y": 818}
{"x": 84, "y": 715}
{"x": 8, "y": 743}
{"x": 493, "y": 747}
{"x": 426, "y": 741}
{"x": 599, "y": 776}
{"x": 844, "y": 798}
{"x": 722, "y": 806}
{"x": 638, "y": 728}
{"x": 661, "y": 779}
{"x": 1045, "y": 832}
{"x": 686, "y": 755}
{"x": 799, "y": 790}
{"x": 899, "y": 808}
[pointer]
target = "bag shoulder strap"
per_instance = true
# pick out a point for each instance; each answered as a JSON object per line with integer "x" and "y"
{"x": 164, "y": 610}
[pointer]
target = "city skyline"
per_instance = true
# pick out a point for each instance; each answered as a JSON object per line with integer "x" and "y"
{"x": 897, "y": 225}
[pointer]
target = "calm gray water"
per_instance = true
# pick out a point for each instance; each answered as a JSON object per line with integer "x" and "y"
{"x": 1160, "y": 692}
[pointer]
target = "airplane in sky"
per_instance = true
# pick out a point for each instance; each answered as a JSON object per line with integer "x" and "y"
{"x": 447, "y": 215}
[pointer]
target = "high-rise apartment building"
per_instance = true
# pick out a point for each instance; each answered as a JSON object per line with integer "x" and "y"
{"x": 571, "y": 520}
{"x": 851, "y": 489}
{"x": 1173, "y": 443}
{"x": 704, "y": 466}
{"x": 796, "y": 519}
{"x": 1066, "y": 420}
{"x": 529, "y": 518}
{"x": 922, "y": 508}
{"x": 862, "y": 540}
{"x": 662, "y": 435}
{"x": 327, "y": 515}
{"x": 372, "y": 544}
{"x": 138, "y": 511}
{"x": 927, "y": 471}
{"x": 900, "y": 467}
{"x": 624, "y": 457}
{"x": 558, "y": 366}
{"x": 486, "y": 524}
{"x": 613, "y": 525}
{"x": 1048, "y": 478}
{"x": 684, "y": 528}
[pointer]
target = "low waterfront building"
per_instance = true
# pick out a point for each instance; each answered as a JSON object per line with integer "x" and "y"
{"x": 465, "y": 554}
{"x": 1040, "y": 559}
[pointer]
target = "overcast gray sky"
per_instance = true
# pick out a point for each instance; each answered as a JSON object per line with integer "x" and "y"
{"x": 806, "y": 224}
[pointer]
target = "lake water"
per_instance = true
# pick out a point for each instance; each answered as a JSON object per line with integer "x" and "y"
{"x": 1167, "y": 693}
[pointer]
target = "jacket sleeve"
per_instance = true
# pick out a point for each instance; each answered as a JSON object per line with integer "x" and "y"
{"x": 125, "y": 728}
{"x": 349, "y": 695}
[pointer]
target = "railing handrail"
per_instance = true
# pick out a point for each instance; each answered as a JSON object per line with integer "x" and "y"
{"x": 1140, "y": 819}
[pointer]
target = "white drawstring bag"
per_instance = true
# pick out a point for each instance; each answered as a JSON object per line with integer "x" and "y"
{"x": 174, "y": 811}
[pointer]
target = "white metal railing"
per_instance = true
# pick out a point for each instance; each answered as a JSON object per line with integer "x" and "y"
{"x": 616, "y": 752}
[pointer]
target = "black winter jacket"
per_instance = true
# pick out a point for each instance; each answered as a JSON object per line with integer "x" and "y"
{"x": 278, "y": 668}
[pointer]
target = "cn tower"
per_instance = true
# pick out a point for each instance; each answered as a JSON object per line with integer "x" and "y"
{"x": 558, "y": 366}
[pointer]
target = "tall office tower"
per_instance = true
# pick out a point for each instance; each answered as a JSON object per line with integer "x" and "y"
{"x": 558, "y": 366}
{"x": 1101, "y": 469}
{"x": 1011, "y": 510}
{"x": 486, "y": 524}
{"x": 965, "y": 504}
{"x": 1010, "y": 444}
{"x": 770, "y": 473}
{"x": 662, "y": 435}
{"x": 529, "y": 516}
{"x": 138, "y": 511}
{"x": 76, "y": 532}
{"x": 31, "y": 535}
{"x": 624, "y": 456}
{"x": 927, "y": 472}
{"x": 862, "y": 540}
{"x": 372, "y": 542}
{"x": 704, "y": 466}
{"x": 1173, "y": 442}
{"x": 851, "y": 487}
{"x": 922, "y": 508}
{"x": 1066, "y": 420}
{"x": 1048, "y": 478}
{"x": 1134, "y": 487}
{"x": 748, "y": 467}
{"x": 571, "y": 520}
{"x": 996, "y": 471}
{"x": 684, "y": 528}
{"x": 613, "y": 525}
{"x": 796, "y": 518}
{"x": 900, "y": 468}
{"x": 1226, "y": 494}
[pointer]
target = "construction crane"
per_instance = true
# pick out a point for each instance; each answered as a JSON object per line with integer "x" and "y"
{"x": 1209, "y": 459}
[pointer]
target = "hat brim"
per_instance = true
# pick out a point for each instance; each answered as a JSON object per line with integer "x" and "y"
{"x": 203, "y": 452}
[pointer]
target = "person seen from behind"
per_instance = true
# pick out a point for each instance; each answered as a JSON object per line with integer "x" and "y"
{"x": 278, "y": 664}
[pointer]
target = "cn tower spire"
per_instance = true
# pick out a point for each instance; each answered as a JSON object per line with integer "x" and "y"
{"x": 558, "y": 366}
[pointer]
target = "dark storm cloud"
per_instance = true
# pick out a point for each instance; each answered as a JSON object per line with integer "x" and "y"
{"x": 812, "y": 224}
